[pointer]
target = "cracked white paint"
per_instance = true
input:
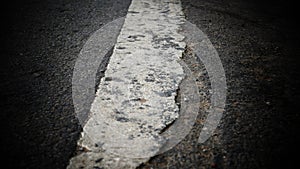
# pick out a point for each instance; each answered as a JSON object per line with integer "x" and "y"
{"x": 136, "y": 98}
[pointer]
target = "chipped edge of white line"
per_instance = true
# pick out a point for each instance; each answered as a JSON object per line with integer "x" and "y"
{"x": 208, "y": 55}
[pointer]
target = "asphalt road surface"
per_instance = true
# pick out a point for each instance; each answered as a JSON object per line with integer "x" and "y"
{"x": 258, "y": 44}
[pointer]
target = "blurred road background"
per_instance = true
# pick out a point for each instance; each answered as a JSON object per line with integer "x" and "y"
{"x": 257, "y": 41}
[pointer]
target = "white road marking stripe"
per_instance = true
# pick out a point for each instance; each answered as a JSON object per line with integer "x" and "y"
{"x": 136, "y": 99}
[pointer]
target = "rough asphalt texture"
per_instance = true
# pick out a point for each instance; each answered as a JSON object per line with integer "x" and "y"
{"x": 42, "y": 40}
{"x": 257, "y": 42}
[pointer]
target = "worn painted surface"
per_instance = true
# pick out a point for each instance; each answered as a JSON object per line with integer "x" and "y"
{"x": 135, "y": 100}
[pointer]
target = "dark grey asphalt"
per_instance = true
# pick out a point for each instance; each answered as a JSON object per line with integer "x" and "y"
{"x": 258, "y": 44}
{"x": 42, "y": 40}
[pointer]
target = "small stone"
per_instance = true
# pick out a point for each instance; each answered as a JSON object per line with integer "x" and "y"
{"x": 37, "y": 74}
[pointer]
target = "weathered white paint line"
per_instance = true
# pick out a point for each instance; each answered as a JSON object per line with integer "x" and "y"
{"x": 136, "y": 98}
